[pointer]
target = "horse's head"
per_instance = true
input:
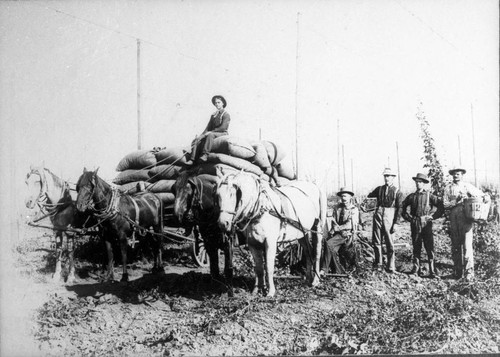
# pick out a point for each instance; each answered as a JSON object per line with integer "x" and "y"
{"x": 183, "y": 190}
{"x": 85, "y": 187}
{"x": 228, "y": 197}
{"x": 35, "y": 184}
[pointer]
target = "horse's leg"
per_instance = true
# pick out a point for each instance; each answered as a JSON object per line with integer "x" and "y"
{"x": 123, "y": 249}
{"x": 59, "y": 242}
{"x": 258, "y": 258}
{"x": 110, "y": 275}
{"x": 71, "y": 254}
{"x": 317, "y": 240}
{"x": 306, "y": 248}
{"x": 158, "y": 262}
{"x": 213, "y": 254}
{"x": 270, "y": 247}
{"x": 228, "y": 265}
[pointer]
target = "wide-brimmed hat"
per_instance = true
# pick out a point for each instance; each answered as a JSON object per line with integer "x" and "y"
{"x": 344, "y": 190}
{"x": 455, "y": 169}
{"x": 421, "y": 177}
{"x": 388, "y": 172}
{"x": 224, "y": 103}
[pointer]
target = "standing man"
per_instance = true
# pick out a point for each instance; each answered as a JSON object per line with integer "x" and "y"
{"x": 386, "y": 216}
{"x": 341, "y": 235}
{"x": 421, "y": 203}
{"x": 461, "y": 227}
{"x": 218, "y": 125}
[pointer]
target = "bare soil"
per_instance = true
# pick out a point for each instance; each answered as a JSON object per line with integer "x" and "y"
{"x": 184, "y": 312}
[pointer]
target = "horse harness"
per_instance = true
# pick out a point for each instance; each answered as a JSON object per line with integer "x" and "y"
{"x": 259, "y": 209}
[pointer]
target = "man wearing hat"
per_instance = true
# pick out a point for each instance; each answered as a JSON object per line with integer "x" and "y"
{"x": 343, "y": 228}
{"x": 421, "y": 203}
{"x": 386, "y": 216}
{"x": 461, "y": 227}
{"x": 217, "y": 126}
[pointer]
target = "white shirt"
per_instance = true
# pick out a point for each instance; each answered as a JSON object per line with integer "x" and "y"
{"x": 454, "y": 193}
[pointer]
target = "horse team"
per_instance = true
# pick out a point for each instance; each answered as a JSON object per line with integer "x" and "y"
{"x": 225, "y": 207}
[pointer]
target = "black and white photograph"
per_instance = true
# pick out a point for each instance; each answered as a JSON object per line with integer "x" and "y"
{"x": 249, "y": 178}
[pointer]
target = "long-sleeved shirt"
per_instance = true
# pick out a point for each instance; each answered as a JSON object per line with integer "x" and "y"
{"x": 422, "y": 204}
{"x": 346, "y": 217}
{"x": 454, "y": 193}
{"x": 389, "y": 197}
{"x": 219, "y": 122}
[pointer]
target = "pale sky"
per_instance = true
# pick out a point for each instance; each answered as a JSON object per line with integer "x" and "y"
{"x": 68, "y": 82}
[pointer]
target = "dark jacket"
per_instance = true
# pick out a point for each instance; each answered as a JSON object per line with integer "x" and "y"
{"x": 219, "y": 122}
{"x": 422, "y": 204}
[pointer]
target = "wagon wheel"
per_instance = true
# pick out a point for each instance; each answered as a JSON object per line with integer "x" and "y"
{"x": 199, "y": 252}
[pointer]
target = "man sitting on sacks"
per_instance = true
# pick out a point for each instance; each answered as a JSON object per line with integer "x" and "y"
{"x": 340, "y": 241}
{"x": 217, "y": 126}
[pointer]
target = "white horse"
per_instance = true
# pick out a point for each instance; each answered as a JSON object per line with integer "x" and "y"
{"x": 52, "y": 196}
{"x": 268, "y": 216}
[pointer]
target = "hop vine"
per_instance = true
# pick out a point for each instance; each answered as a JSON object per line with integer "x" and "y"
{"x": 431, "y": 161}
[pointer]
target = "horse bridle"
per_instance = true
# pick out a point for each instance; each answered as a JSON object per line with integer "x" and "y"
{"x": 90, "y": 204}
{"x": 256, "y": 209}
{"x": 43, "y": 197}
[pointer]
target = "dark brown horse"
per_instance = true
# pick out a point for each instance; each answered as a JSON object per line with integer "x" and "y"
{"x": 194, "y": 204}
{"x": 120, "y": 216}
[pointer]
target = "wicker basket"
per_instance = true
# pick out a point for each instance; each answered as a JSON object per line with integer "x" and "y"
{"x": 475, "y": 209}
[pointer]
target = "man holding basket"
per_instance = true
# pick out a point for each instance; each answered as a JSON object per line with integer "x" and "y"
{"x": 455, "y": 195}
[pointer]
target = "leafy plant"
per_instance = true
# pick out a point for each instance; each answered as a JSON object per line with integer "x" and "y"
{"x": 430, "y": 158}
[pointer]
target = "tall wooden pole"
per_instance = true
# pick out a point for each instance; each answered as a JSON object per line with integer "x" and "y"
{"x": 473, "y": 143}
{"x": 352, "y": 177}
{"x": 399, "y": 173}
{"x": 338, "y": 153}
{"x": 343, "y": 164}
{"x": 459, "y": 152}
{"x": 486, "y": 172}
{"x": 296, "y": 101}
{"x": 139, "y": 129}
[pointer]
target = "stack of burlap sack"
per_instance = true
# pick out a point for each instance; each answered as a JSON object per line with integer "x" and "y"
{"x": 151, "y": 170}
{"x": 156, "y": 170}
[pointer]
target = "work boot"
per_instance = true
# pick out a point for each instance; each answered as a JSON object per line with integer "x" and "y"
{"x": 432, "y": 269}
{"x": 416, "y": 267}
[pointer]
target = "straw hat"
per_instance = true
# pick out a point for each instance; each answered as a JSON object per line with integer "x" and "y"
{"x": 455, "y": 169}
{"x": 421, "y": 177}
{"x": 388, "y": 172}
{"x": 344, "y": 190}
{"x": 224, "y": 103}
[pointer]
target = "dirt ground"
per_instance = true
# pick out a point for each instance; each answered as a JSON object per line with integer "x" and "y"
{"x": 184, "y": 312}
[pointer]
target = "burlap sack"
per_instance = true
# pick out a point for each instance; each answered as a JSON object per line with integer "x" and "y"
{"x": 128, "y": 176}
{"x": 137, "y": 160}
{"x": 172, "y": 155}
{"x": 260, "y": 159}
{"x": 233, "y": 146}
{"x": 164, "y": 172}
{"x": 275, "y": 153}
{"x": 235, "y": 162}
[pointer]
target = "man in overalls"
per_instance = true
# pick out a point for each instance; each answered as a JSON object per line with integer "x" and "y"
{"x": 422, "y": 203}
{"x": 460, "y": 226}
{"x": 386, "y": 216}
